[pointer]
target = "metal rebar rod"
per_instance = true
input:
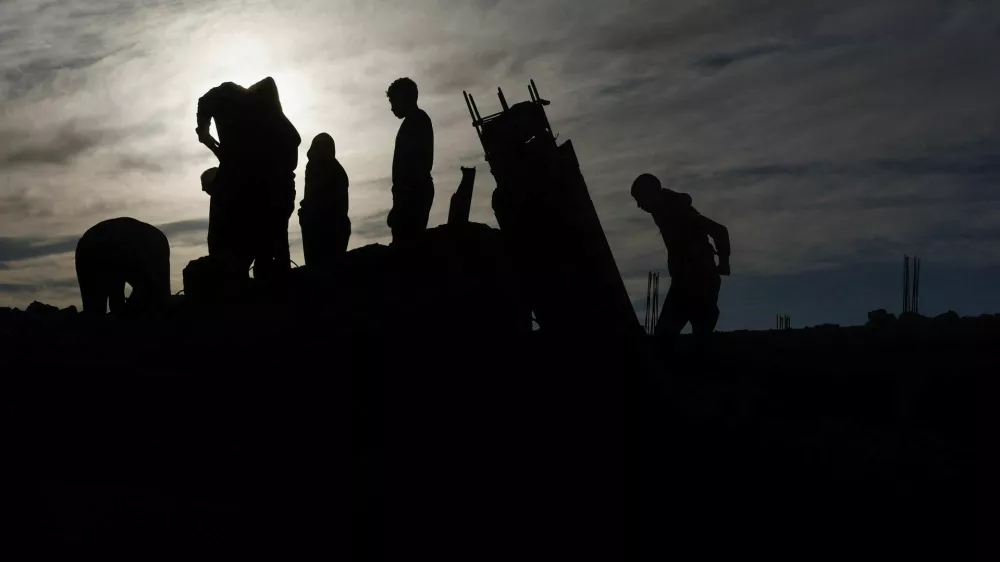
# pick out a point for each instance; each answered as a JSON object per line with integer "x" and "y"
{"x": 476, "y": 109}
{"x": 649, "y": 294}
{"x": 469, "y": 106}
{"x": 656, "y": 299}
{"x": 906, "y": 283}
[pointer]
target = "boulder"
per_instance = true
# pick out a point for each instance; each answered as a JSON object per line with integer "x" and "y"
{"x": 880, "y": 318}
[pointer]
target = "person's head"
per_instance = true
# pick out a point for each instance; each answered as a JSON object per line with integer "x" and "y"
{"x": 402, "y": 95}
{"x": 265, "y": 94}
{"x": 207, "y": 178}
{"x": 322, "y": 146}
{"x": 645, "y": 189}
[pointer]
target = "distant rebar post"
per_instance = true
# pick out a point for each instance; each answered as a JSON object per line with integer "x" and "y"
{"x": 911, "y": 284}
{"x": 649, "y": 294}
{"x": 906, "y": 283}
{"x": 656, "y": 300}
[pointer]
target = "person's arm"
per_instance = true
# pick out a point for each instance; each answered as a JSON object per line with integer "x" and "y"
{"x": 208, "y": 108}
{"x": 416, "y": 148}
{"x": 720, "y": 237}
{"x": 425, "y": 149}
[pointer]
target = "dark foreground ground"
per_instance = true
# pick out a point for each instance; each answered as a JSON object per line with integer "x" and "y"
{"x": 446, "y": 443}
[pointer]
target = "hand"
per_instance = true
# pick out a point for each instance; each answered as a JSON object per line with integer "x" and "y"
{"x": 724, "y": 267}
{"x": 206, "y": 138}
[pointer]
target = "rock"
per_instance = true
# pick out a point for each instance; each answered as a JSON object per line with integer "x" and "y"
{"x": 947, "y": 317}
{"x": 881, "y": 317}
{"x": 208, "y": 279}
{"x": 39, "y": 309}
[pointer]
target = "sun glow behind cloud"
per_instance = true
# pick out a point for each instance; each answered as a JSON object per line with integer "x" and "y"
{"x": 824, "y": 135}
{"x": 241, "y": 56}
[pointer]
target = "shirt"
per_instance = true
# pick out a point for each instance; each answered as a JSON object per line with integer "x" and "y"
{"x": 326, "y": 186}
{"x": 414, "y": 154}
{"x": 685, "y": 233}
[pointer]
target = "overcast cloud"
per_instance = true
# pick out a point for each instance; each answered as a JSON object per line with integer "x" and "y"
{"x": 830, "y": 137}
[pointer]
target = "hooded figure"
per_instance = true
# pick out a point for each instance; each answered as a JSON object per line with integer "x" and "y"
{"x": 694, "y": 276}
{"x": 323, "y": 216}
{"x": 255, "y": 181}
{"x": 119, "y": 251}
{"x": 278, "y": 155}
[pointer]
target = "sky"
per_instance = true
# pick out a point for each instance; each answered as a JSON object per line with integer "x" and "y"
{"x": 831, "y": 138}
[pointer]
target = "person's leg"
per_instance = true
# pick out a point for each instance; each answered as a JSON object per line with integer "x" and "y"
{"x": 115, "y": 289}
{"x": 705, "y": 305}
{"x": 282, "y": 253}
{"x": 215, "y": 226}
{"x": 159, "y": 276}
{"x": 276, "y": 214}
{"x": 343, "y": 235}
{"x": 280, "y": 258}
{"x": 88, "y": 276}
{"x": 404, "y": 223}
{"x": 673, "y": 317}
{"x": 705, "y": 311}
{"x": 426, "y": 201}
{"x": 140, "y": 302}
{"x": 308, "y": 240}
{"x": 410, "y": 213}
{"x": 94, "y": 297}
{"x": 259, "y": 231}
{"x": 235, "y": 234}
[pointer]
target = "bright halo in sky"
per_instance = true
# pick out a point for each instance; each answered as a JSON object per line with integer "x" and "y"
{"x": 247, "y": 57}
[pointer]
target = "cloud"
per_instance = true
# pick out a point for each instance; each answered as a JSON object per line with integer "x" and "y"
{"x": 18, "y": 249}
{"x": 972, "y": 166}
{"x": 142, "y": 163}
{"x": 184, "y": 227}
{"x": 823, "y": 134}
{"x": 716, "y": 61}
{"x": 59, "y": 148}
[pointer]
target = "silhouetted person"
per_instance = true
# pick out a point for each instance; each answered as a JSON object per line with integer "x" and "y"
{"x": 119, "y": 251}
{"x": 323, "y": 216}
{"x": 216, "y": 217}
{"x": 694, "y": 276}
{"x": 277, "y": 163}
{"x": 412, "y": 186}
{"x": 461, "y": 200}
{"x": 230, "y": 212}
{"x": 258, "y": 153}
